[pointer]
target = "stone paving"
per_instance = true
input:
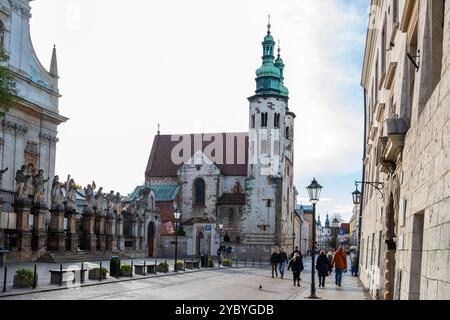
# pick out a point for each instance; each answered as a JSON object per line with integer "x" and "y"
{"x": 205, "y": 284}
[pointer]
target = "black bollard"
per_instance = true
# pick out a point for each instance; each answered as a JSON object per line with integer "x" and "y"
{"x": 155, "y": 267}
{"x": 245, "y": 262}
{"x": 60, "y": 274}
{"x": 100, "y": 278}
{"x": 132, "y": 269}
{"x": 82, "y": 273}
{"x": 144, "y": 269}
{"x": 253, "y": 262}
{"x": 34, "y": 278}
{"x": 168, "y": 265}
{"x": 4, "y": 278}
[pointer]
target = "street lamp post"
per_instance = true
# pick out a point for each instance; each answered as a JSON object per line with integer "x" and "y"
{"x": 177, "y": 215}
{"x": 314, "y": 190}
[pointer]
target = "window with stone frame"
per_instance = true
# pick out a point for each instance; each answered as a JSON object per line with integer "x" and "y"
{"x": 199, "y": 192}
{"x": 276, "y": 121}
{"x": 264, "y": 117}
{"x": 253, "y": 121}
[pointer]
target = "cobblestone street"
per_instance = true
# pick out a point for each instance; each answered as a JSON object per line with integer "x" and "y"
{"x": 212, "y": 284}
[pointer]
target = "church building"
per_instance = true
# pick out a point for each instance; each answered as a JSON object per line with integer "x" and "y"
{"x": 232, "y": 189}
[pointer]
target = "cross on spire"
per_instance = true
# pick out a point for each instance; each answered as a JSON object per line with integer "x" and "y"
{"x": 268, "y": 25}
{"x": 158, "y": 129}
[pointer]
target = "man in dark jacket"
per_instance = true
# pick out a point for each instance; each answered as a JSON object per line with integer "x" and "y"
{"x": 282, "y": 260}
{"x": 296, "y": 251}
{"x": 274, "y": 262}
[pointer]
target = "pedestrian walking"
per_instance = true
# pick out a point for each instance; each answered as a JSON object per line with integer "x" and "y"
{"x": 219, "y": 256}
{"x": 296, "y": 251}
{"x": 355, "y": 262}
{"x": 282, "y": 260}
{"x": 330, "y": 255}
{"x": 340, "y": 263}
{"x": 274, "y": 262}
{"x": 296, "y": 265}
{"x": 323, "y": 268}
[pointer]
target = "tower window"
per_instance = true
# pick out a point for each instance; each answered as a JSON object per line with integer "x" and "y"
{"x": 253, "y": 121}
{"x": 264, "y": 117}
{"x": 269, "y": 203}
{"x": 199, "y": 192}
{"x": 276, "y": 121}
{"x": 287, "y": 132}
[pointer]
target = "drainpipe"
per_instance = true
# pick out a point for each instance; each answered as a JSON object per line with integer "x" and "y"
{"x": 362, "y": 187}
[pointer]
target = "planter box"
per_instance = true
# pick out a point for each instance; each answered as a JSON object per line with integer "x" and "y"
{"x": 181, "y": 267}
{"x": 23, "y": 282}
{"x": 161, "y": 269}
{"x": 126, "y": 273}
{"x": 95, "y": 274}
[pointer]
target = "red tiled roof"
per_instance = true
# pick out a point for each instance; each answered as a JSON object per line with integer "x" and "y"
{"x": 232, "y": 198}
{"x": 160, "y": 163}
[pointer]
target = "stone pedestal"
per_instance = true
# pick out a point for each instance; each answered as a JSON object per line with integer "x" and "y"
{"x": 56, "y": 236}
{"x": 100, "y": 232}
{"x": 22, "y": 210}
{"x": 111, "y": 237}
{"x": 39, "y": 234}
{"x": 72, "y": 234}
{"x": 89, "y": 239}
{"x": 135, "y": 233}
{"x": 119, "y": 233}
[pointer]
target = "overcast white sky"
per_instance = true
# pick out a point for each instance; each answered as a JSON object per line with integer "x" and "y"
{"x": 126, "y": 66}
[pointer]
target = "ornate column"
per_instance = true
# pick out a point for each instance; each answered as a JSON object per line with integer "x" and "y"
{"x": 111, "y": 237}
{"x": 134, "y": 231}
{"x": 72, "y": 234}
{"x": 56, "y": 237}
{"x": 119, "y": 232}
{"x": 22, "y": 210}
{"x": 89, "y": 239}
{"x": 39, "y": 235}
{"x": 100, "y": 230}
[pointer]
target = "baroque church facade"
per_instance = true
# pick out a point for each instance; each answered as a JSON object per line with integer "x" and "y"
{"x": 28, "y": 131}
{"x": 242, "y": 182}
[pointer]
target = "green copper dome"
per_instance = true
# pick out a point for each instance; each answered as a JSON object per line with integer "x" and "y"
{"x": 269, "y": 77}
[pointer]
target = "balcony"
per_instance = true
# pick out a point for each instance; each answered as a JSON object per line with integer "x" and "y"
{"x": 396, "y": 132}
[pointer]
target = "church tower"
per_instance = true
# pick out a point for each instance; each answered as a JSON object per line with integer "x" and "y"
{"x": 270, "y": 199}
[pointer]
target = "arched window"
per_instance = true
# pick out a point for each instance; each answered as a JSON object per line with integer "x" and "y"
{"x": 2, "y": 36}
{"x": 264, "y": 117}
{"x": 276, "y": 120}
{"x": 287, "y": 132}
{"x": 199, "y": 192}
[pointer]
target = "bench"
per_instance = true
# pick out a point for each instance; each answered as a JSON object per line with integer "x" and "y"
{"x": 143, "y": 269}
{"x": 191, "y": 265}
{"x": 57, "y": 278}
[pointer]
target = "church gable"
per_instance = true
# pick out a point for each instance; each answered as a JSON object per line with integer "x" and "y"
{"x": 229, "y": 152}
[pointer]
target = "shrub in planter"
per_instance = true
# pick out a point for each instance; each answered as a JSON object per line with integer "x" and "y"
{"x": 24, "y": 278}
{"x": 210, "y": 262}
{"x": 94, "y": 274}
{"x": 227, "y": 262}
{"x": 180, "y": 264}
{"x": 125, "y": 270}
{"x": 163, "y": 267}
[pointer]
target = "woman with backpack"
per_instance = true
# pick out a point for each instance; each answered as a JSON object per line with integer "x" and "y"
{"x": 323, "y": 267}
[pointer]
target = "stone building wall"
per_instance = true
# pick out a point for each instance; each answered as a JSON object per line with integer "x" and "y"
{"x": 405, "y": 233}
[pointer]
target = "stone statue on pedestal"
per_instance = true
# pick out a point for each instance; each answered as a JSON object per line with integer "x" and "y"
{"x": 90, "y": 198}
{"x": 99, "y": 197}
{"x": 118, "y": 205}
{"x": 21, "y": 182}
{"x": 1, "y": 176}
{"x": 71, "y": 194}
{"x": 38, "y": 184}
{"x": 110, "y": 202}
{"x": 57, "y": 196}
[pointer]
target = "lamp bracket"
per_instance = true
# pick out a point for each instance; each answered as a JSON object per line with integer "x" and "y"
{"x": 379, "y": 186}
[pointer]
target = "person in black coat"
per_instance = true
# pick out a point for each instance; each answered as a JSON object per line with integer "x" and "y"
{"x": 322, "y": 266}
{"x": 274, "y": 262}
{"x": 296, "y": 265}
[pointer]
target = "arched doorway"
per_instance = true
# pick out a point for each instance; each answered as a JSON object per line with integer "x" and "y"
{"x": 151, "y": 238}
